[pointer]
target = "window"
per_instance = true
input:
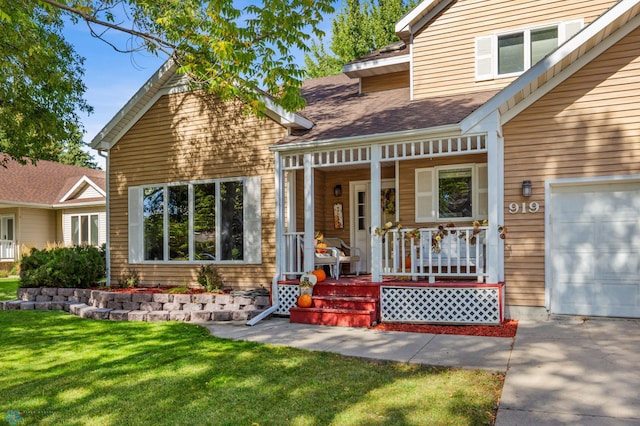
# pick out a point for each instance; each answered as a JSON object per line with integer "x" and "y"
{"x": 509, "y": 54}
{"x": 461, "y": 193}
{"x": 84, "y": 229}
{"x": 211, "y": 221}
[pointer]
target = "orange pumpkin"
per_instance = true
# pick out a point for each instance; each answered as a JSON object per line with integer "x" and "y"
{"x": 321, "y": 250}
{"x": 320, "y": 275}
{"x": 304, "y": 301}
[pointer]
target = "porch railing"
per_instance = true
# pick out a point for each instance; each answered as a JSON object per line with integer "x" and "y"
{"x": 448, "y": 252}
{"x": 7, "y": 250}
{"x": 293, "y": 263}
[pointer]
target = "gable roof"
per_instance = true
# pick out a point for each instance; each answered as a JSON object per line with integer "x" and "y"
{"x": 339, "y": 111}
{"x": 582, "y": 48}
{"x": 164, "y": 81}
{"x": 50, "y": 185}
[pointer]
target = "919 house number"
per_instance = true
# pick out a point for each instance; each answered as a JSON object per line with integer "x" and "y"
{"x": 531, "y": 207}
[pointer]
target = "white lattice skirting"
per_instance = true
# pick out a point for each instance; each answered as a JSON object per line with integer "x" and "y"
{"x": 451, "y": 305}
{"x": 288, "y": 297}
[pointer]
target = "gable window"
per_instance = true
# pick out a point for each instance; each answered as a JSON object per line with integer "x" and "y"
{"x": 84, "y": 229}
{"x": 450, "y": 193}
{"x": 511, "y": 53}
{"x": 210, "y": 221}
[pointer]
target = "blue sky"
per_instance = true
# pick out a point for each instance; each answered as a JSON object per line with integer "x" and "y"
{"x": 112, "y": 78}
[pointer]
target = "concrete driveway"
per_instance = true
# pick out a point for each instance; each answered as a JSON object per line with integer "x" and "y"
{"x": 573, "y": 371}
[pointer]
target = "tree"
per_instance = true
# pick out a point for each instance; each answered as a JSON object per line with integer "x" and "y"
{"x": 359, "y": 28}
{"x": 232, "y": 52}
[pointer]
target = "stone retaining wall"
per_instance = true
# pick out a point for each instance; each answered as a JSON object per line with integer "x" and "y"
{"x": 100, "y": 304}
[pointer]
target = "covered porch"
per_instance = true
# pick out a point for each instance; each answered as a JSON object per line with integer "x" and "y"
{"x": 416, "y": 217}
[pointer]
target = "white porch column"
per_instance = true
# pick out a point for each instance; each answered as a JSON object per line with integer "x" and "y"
{"x": 495, "y": 181}
{"x": 279, "y": 194}
{"x": 291, "y": 209}
{"x": 309, "y": 218}
{"x": 376, "y": 187}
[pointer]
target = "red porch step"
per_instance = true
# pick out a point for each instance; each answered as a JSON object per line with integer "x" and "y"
{"x": 353, "y": 304}
{"x": 333, "y": 316}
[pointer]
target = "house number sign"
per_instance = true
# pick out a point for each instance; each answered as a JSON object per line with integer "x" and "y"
{"x": 532, "y": 207}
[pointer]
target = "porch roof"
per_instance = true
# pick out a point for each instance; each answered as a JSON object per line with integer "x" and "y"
{"x": 338, "y": 110}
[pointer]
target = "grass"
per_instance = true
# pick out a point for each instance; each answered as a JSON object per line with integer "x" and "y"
{"x": 57, "y": 369}
{"x": 8, "y": 288}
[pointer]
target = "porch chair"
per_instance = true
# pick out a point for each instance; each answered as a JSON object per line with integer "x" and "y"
{"x": 325, "y": 256}
{"x": 353, "y": 255}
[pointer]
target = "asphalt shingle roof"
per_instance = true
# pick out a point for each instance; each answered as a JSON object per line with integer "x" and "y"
{"x": 45, "y": 183}
{"x": 339, "y": 111}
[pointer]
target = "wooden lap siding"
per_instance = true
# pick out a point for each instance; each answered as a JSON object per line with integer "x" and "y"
{"x": 186, "y": 137}
{"x": 587, "y": 126}
{"x": 444, "y": 52}
{"x": 382, "y": 82}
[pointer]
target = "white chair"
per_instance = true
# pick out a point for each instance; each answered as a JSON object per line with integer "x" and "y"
{"x": 351, "y": 256}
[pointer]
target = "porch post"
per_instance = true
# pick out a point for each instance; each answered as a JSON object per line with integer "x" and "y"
{"x": 376, "y": 187}
{"x": 309, "y": 219}
{"x": 279, "y": 194}
{"x": 495, "y": 181}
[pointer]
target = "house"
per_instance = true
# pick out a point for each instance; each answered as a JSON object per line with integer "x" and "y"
{"x": 502, "y": 136}
{"x": 49, "y": 203}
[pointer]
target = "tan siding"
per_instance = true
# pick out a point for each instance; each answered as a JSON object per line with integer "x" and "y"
{"x": 390, "y": 81}
{"x": 35, "y": 227}
{"x": 444, "y": 52}
{"x": 187, "y": 137}
{"x": 588, "y": 126}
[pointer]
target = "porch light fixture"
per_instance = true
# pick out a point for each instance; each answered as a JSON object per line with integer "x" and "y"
{"x": 337, "y": 190}
{"x": 526, "y": 188}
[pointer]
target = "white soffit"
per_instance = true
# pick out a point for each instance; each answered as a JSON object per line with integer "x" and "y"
{"x": 377, "y": 66}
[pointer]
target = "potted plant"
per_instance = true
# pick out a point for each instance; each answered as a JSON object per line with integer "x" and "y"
{"x": 307, "y": 281}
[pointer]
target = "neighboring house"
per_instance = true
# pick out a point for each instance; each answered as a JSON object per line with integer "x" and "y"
{"x": 521, "y": 113}
{"x": 49, "y": 203}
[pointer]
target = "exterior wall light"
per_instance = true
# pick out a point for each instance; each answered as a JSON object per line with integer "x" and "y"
{"x": 337, "y": 190}
{"x": 526, "y": 188}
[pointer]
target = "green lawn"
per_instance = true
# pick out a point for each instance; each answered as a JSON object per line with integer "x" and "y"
{"x": 57, "y": 369}
{"x": 8, "y": 288}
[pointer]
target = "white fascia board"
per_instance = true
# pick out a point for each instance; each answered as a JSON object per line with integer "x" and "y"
{"x": 531, "y": 75}
{"x": 414, "y": 15}
{"x": 286, "y": 118}
{"x": 83, "y": 180}
{"x": 150, "y": 85}
{"x": 76, "y": 205}
{"x": 374, "y": 63}
{"x": 403, "y": 135}
{"x": 5, "y": 203}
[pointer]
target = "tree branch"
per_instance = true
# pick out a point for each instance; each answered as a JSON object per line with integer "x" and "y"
{"x": 161, "y": 43}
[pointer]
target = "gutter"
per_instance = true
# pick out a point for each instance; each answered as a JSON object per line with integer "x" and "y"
{"x": 104, "y": 155}
{"x": 402, "y": 135}
{"x": 274, "y": 307}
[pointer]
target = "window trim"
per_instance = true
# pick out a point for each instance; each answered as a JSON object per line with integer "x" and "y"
{"x": 251, "y": 217}
{"x": 435, "y": 193}
{"x": 89, "y": 232}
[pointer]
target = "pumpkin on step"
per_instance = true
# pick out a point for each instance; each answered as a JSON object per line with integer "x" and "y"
{"x": 320, "y": 275}
{"x": 304, "y": 301}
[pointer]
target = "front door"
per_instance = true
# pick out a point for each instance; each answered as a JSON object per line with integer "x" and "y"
{"x": 7, "y": 251}
{"x": 361, "y": 216}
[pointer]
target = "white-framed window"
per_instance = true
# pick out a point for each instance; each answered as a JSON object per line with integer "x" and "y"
{"x": 217, "y": 220}
{"x": 451, "y": 193}
{"x": 85, "y": 229}
{"x": 510, "y": 53}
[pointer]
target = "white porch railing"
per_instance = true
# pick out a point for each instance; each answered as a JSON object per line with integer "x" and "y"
{"x": 7, "y": 250}
{"x": 293, "y": 263}
{"x": 451, "y": 252}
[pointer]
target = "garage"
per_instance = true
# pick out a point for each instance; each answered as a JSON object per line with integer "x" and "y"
{"x": 593, "y": 257}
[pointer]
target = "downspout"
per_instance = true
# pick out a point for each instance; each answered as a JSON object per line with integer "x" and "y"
{"x": 275, "y": 304}
{"x": 104, "y": 155}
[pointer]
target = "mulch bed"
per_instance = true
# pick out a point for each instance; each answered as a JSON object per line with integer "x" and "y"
{"x": 507, "y": 329}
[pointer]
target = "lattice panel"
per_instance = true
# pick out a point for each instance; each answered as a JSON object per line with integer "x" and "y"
{"x": 451, "y": 305}
{"x": 288, "y": 298}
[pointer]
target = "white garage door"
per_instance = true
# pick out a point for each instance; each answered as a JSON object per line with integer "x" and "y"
{"x": 595, "y": 249}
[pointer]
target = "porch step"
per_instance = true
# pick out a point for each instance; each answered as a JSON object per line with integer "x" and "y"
{"x": 355, "y": 288}
{"x": 333, "y": 317}
{"x": 342, "y": 302}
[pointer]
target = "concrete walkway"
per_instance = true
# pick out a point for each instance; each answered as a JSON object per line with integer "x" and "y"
{"x": 559, "y": 372}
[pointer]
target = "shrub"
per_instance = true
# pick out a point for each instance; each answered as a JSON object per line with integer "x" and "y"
{"x": 73, "y": 267}
{"x": 129, "y": 279}
{"x": 210, "y": 278}
{"x": 3, "y": 273}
